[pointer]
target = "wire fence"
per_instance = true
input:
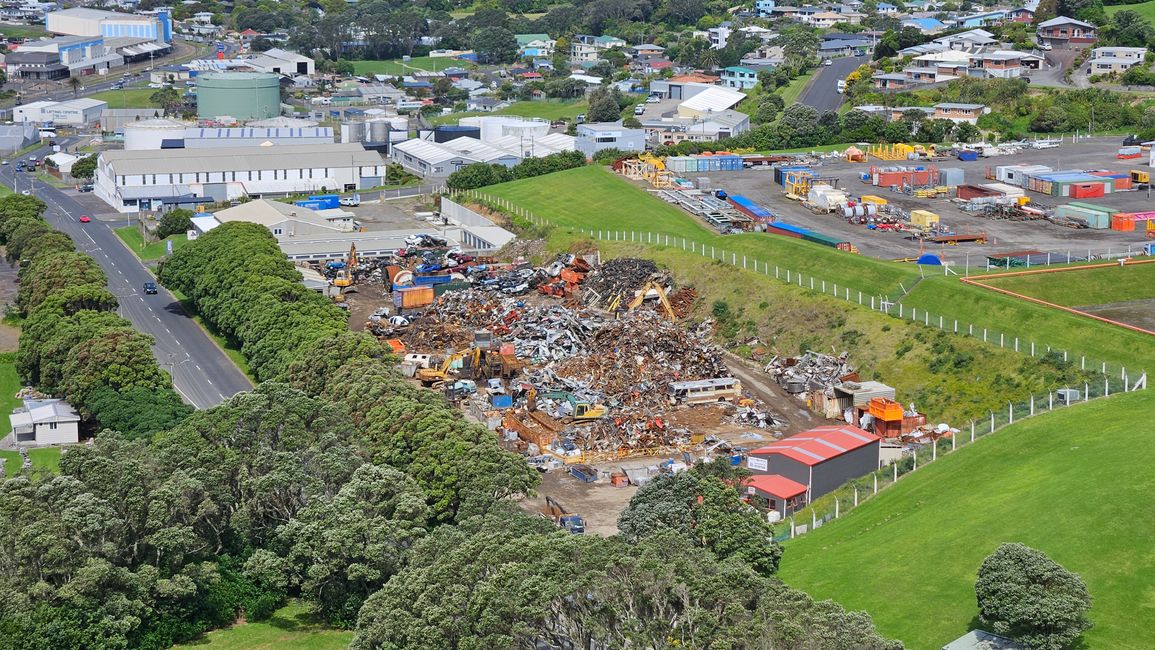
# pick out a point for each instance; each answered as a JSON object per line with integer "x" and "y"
{"x": 835, "y": 504}
{"x": 876, "y": 302}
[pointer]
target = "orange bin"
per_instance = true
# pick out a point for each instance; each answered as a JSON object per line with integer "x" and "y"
{"x": 885, "y": 409}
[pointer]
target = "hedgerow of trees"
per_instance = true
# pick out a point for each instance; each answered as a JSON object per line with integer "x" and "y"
{"x": 478, "y": 175}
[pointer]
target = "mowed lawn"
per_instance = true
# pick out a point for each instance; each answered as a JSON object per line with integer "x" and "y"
{"x": 131, "y": 236}
{"x": 399, "y": 68}
{"x": 1146, "y": 9}
{"x": 594, "y": 198}
{"x": 1075, "y": 484}
{"x": 138, "y": 97}
{"x": 293, "y": 627}
{"x": 552, "y": 109}
{"x": 1084, "y": 287}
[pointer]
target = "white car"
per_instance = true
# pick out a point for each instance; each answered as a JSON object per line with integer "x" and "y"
{"x": 155, "y": 85}
{"x": 640, "y": 109}
{"x": 653, "y": 99}
{"x": 3, "y": 162}
{"x": 827, "y": 62}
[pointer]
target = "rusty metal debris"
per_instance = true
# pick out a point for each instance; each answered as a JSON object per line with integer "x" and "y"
{"x": 809, "y": 372}
{"x": 620, "y": 276}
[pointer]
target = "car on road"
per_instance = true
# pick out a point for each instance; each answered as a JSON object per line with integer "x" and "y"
{"x": 1044, "y": 47}
{"x": 155, "y": 85}
{"x": 1026, "y": 79}
{"x": 118, "y": 85}
{"x": 640, "y": 109}
{"x": 84, "y": 188}
{"x": 580, "y": 119}
{"x": 653, "y": 99}
{"x": 3, "y": 162}
{"x": 84, "y": 218}
{"x": 828, "y": 62}
{"x": 150, "y": 288}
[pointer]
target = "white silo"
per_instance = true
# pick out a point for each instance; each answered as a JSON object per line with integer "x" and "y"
{"x": 147, "y": 135}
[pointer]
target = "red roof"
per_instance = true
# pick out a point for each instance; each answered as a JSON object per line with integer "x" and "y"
{"x": 819, "y": 444}
{"x": 250, "y": 32}
{"x": 530, "y": 75}
{"x": 776, "y": 485}
{"x": 660, "y": 65}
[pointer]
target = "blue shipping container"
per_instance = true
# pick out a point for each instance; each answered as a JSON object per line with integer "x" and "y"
{"x": 329, "y": 201}
{"x": 501, "y": 401}
{"x": 423, "y": 280}
{"x": 312, "y": 205}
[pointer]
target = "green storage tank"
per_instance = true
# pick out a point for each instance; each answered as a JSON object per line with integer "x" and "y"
{"x": 242, "y": 95}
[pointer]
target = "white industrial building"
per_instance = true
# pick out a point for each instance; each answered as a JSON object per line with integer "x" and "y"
{"x": 429, "y": 159}
{"x": 283, "y": 62}
{"x": 43, "y": 422}
{"x": 288, "y": 221}
{"x": 82, "y": 21}
{"x": 170, "y": 134}
{"x": 595, "y": 136}
{"x": 76, "y": 112}
{"x": 499, "y": 126}
{"x": 440, "y": 159}
{"x": 131, "y": 181}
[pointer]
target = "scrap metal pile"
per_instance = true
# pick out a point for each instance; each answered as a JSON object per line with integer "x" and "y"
{"x": 620, "y": 276}
{"x": 809, "y": 372}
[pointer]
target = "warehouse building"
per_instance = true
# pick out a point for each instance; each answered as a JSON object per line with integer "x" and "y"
{"x": 284, "y": 62}
{"x": 131, "y": 181}
{"x": 240, "y": 95}
{"x": 113, "y": 120}
{"x": 285, "y": 220}
{"x": 81, "y": 21}
{"x": 429, "y": 159}
{"x": 820, "y": 460}
{"x": 169, "y": 134}
{"x": 74, "y": 112}
{"x": 595, "y": 136}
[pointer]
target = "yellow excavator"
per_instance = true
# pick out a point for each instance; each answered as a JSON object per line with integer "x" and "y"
{"x": 581, "y": 410}
{"x": 432, "y": 377}
{"x": 667, "y": 308}
{"x": 345, "y": 276}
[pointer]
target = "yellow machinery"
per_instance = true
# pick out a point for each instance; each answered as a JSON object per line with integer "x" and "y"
{"x": 667, "y": 308}
{"x": 651, "y": 168}
{"x": 1140, "y": 177}
{"x": 345, "y": 276}
{"x": 581, "y": 410}
{"x": 435, "y": 376}
{"x": 898, "y": 151}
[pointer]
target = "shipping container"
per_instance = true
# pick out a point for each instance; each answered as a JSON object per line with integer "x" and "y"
{"x": 329, "y": 201}
{"x": 749, "y": 208}
{"x": 429, "y": 280}
{"x": 951, "y": 176}
{"x": 967, "y": 155}
{"x": 412, "y": 297}
{"x": 1087, "y": 190}
{"x": 923, "y": 219}
{"x": 446, "y": 287}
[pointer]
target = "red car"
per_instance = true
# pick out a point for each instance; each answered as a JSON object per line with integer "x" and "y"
{"x": 84, "y": 218}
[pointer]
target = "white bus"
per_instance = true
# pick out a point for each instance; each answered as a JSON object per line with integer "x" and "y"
{"x": 705, "y": 391}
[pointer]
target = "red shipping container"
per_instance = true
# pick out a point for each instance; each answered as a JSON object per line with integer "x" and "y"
{"x": 1087, "y": 191}
{"x": 1122, "y": 223}
{"x": 1123, "y": 183}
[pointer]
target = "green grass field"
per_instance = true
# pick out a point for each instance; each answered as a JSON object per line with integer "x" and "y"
{"x": 131, "y": 236}
{"x": 1145, "y": 9}
{"x": 293, "y": 627}
{"x": 548, "y": 109}
{"x": 5, "y": 190}
{"x": 1081, "y": 288}
{"x": 909, "y": 556}
{"x": 793, "y": 90}
{"x": 594, "y": 198}
{"x": 135, "y": 97}
{"x": 22, "y": 31}
{"x": 398, "y": 68}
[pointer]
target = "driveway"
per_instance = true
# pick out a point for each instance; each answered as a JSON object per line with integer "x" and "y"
{"x": 822, "y": 93}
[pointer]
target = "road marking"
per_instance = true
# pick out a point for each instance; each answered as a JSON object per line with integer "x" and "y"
{"x": 209, "y": 381}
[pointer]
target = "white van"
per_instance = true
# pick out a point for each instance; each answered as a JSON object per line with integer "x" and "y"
{"x": 841, "y": 86}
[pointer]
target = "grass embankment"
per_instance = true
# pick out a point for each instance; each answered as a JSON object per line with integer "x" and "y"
{"x": 1145, "y": 9}
{"x": 293, "y": 627}
{"x": 594, "y": 198}
{"x": 22, "y": 31}
{"x": 136, "y": 97}
{"x": 1084, "y": 287}
{"x": 5, "y": 191}
{"x": 550, "y": 109}
{"x": 132, "y": 238}
{"x": 793, "y": 90}
{"x": 230, "y": 350}
{"x": 399, "y": 68}
{"x": 909, "y": 555}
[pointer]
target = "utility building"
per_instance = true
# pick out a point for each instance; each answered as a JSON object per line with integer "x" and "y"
{"x": 820, "y": 459}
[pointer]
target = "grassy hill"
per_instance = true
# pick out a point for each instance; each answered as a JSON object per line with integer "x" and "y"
{"x": 398, "y": 68}
{"x": 594, "y": 198}
{"x": 1145, "y": 9}
{"x": 1074, "y": 483}
{"x": 1078, "y": 288}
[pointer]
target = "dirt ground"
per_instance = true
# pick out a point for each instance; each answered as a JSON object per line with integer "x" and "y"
{"x": 1095, "y": 154}
{"x": 1140, "y": 313}
{"x": 599, "y": 503}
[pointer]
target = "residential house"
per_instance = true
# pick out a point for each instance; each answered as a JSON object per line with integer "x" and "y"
{"x": 886, "y": 9}
{"x": 645, "y": 49}
{"x": 486, "y": 104}
{"x": 856, "y": 47}
{"x": 739, "y": 77}
{"x": 706, "y": 127}
{"x": 1001, "y": 64}
{"x": 825, "y": 19}
{"x": 593, "y": 137}
{"x": 851, "y": 15}
{"x": 925, "y": 25}
{"x": 891, "y": 113}
{"x": 1021, "y": 15}
{"x": 786, "y": 13}
{"x": 1065, "y": 32}
{"x": 821, "y": 459}
{"x": 43, "y": 422}
{"x": 767, "y": 55}
{"x": 890, "y": 81}
{"x": 760, "y": 33}
{"x": 959, "y": 113}
{"x": 532, "y": 45}
{"x": 765, "y": 8}
{"x": 580, "y": 52}
{"x": 590, "y": 81}
{"x": 938, "y": 67}
{"x": 1105, "y": 60}
{"x": 981, "y": 19}
{"x": 718, "y": 36}
{"x": 972, "y": 40}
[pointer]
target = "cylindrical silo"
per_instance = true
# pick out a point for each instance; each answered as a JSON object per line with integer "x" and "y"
{"x": 243, "y": 95}
{"x": 148, "y": 135}
{"x": 449, "y": 132}
{"x": 353, "y": 132}
{"x": 399, "y": 123}
{"x": 379, "y": 131}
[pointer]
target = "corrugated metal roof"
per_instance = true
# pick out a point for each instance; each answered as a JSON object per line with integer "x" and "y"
{"x": 191, "y": 161}
{"x": 713, "y": 99}
{"x": 430, "y": 152}
{"x": 820, "y": 444}
{"x": 776, "y": 485}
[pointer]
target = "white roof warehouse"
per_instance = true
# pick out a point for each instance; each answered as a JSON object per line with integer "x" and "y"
{"x": 131, "y": 181}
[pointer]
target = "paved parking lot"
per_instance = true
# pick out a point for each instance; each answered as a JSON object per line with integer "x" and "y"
{"x": 757, "y": 184}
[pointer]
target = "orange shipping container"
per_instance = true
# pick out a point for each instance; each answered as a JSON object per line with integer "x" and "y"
{"x": 1122, "y": 222}
{"x": 885, "y": 409}
{"x": 413, "y": 297}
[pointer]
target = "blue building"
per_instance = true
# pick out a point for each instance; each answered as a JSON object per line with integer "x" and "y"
{"x": 764, "y": 7}
{"x": 739, "y": 77}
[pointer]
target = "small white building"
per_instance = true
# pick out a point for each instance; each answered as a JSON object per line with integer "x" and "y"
{"x": 44, "y": 422}
{"x": 593, "y": 137}
{"x": 77, "y": 112}
{"x": 1105, "y": 60}
{"x": 283, "y": 62}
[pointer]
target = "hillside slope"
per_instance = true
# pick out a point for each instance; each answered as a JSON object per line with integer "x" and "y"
{"x": 1075, "y": 483}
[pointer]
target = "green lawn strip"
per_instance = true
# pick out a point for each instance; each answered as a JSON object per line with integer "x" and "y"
{"x": 127, "y": 98}
{"x": 595, "y": 198}
{"x": 132, "y": 238}
{"x": 1145, "y": 9}
{"x": 793, "y": 90}
{"x": 1014, "y": 317}
{"x": 909, "y": 555}
{"x": 293, "y": 627}
{"x": 222, "y": 342}
{"x": 1084, "y": 287}
{"x": 22, "y": 31}
{"x": 5, "y": 190}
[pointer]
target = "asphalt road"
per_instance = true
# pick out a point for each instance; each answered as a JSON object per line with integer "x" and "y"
{"x": 201, "y": 372}
{"x": 822, "y": 93}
